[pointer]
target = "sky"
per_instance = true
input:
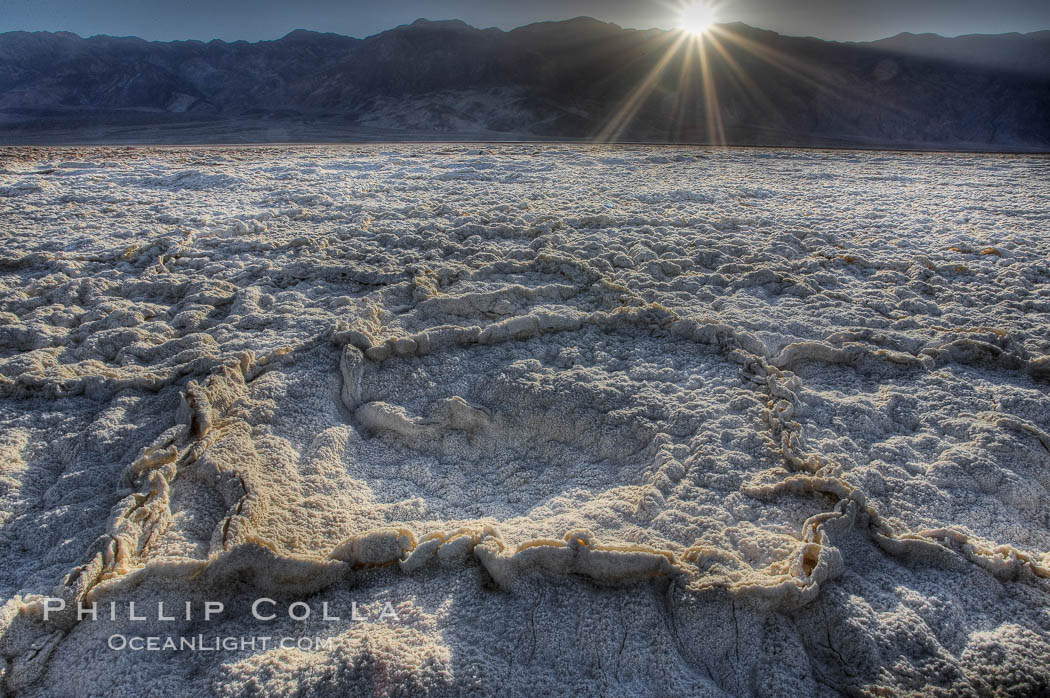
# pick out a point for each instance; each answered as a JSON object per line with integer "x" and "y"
{"x": 843, "y": 20}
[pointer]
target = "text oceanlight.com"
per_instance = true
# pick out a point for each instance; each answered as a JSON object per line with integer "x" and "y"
{"x": 215, "y": 643}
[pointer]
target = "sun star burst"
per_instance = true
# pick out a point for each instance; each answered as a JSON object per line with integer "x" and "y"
{"x": 696, "y": 18}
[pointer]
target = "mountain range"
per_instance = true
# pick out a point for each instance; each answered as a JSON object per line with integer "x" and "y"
{"x": 575, "y": 79}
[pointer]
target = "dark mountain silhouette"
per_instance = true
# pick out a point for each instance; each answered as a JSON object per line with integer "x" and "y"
{"x": 579, "y": 78}
{"x": 1020, "y": 53}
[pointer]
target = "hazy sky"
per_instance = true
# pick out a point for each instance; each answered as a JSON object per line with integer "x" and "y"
{"x": 268, "y": 19}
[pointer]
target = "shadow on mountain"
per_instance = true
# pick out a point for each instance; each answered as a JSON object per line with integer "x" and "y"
{"x": 577, "y": 79}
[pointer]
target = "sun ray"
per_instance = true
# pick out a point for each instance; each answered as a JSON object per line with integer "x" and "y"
{"x": 712, "y": 108}
{"x": 822, "y": 81}
{"x": 750, "y": 88}
{"x": 710, "y": 61}
{"x": 685, "y": 99}
{"x": 623, "y": 116}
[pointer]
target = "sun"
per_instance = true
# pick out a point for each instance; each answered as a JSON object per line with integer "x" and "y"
{"x": 696, "y": 18}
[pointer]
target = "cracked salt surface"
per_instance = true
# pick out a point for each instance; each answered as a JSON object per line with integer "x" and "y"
{"x": 599, "y": 420}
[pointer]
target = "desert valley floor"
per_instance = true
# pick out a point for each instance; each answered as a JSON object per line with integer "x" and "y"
{"x": 586, "y": 420}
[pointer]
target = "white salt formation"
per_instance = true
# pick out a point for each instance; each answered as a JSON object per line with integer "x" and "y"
{"x": 586, "y": 420}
